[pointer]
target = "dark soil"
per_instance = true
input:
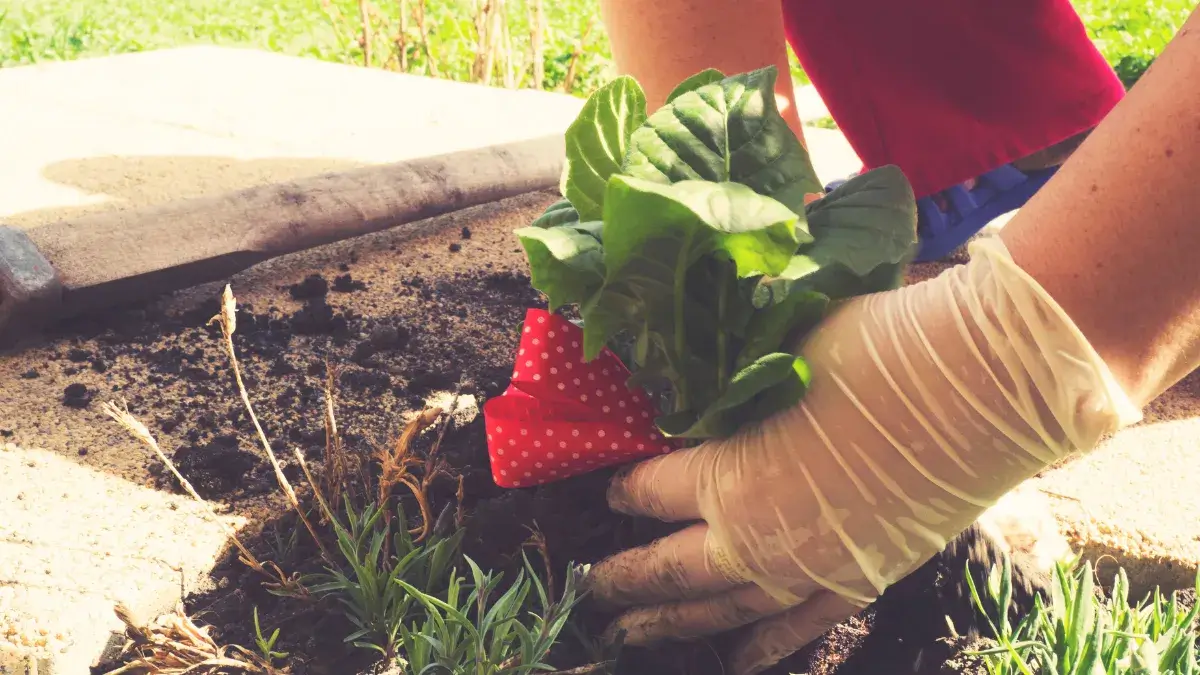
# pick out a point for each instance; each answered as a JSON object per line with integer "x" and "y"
{"x": 389, "y": 363}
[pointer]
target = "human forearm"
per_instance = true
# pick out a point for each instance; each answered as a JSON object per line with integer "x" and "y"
{"x": 662, "y": 43}
{"x": 1113, "y": 238}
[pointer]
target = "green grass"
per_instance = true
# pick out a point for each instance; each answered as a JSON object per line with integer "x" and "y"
{"x": 32, "y": 31}
{"x": 1130, "y": 33}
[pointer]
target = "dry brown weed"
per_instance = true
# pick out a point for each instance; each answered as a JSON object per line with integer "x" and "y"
{"x": 173, "y": 644}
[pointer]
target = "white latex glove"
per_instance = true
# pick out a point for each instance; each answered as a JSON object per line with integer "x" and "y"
{"x": 927, "y": 405}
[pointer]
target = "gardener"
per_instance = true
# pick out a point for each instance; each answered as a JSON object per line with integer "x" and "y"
{"x": 930, "y": 402}
{"x": 978, "y": 102}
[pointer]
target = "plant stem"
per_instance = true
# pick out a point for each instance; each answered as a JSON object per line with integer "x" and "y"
{"x": 537, "y": 36}
{"x": 228, "y": 322}
{"x": 722, "y": 334}
{"x": 568, "y": 82}
{"x": 510, "y": 74}
{"x": 365, "y": 18}
{"x": 402, "y": 37}
{"x": 681, "y": 401}
{"x": 431, "y": 67}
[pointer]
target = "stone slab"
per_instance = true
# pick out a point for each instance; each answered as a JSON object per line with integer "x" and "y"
{"x": 139, "y": 129}
{"x": 1133, "y": 501}
{"x": 74, "y": 542}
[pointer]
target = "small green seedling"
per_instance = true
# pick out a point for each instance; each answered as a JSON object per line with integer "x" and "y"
{"x": 266, "y": 646}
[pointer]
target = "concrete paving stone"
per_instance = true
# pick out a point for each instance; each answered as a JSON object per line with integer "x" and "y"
{"x": 74, "y": 542}
{"x": 1134, "y": 501}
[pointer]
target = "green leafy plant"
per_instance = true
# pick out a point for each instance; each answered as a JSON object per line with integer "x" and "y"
{"x": 412, "y": 604}
{"x": 266, "y": 645}
{"x": 1078, "y": 633}
{"x": 686, "y": 233}
{"x": 468, "y": 632}
{"x": 365, "y": 584}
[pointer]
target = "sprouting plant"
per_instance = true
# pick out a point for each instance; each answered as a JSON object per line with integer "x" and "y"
{"x": 1079, "y": 634}
{"x": 283, "y": 542}
{"x": 697, "y": 241}
{"x": 467, "y": 632}
{"x": 266, "y": 645}
{"x": 364, "y": 581}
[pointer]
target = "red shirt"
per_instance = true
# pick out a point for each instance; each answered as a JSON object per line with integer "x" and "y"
{"x": 950, "y": 89}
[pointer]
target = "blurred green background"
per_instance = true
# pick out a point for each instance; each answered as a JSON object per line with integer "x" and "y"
{"x": 475, "y": 40}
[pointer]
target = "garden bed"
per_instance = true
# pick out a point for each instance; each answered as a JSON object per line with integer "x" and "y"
{"x": 402, "y": 324}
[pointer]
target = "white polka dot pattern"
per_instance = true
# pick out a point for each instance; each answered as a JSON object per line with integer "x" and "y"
{"x": 548, "y": 398}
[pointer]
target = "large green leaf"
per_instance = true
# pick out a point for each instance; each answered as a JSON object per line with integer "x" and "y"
{"x": 771, "y": 327}
{"x": 865, "y": 236}
{"x": 868, "y": 221}
{"x": 840, "y": 283}
{"x": 653, "y": 233}
{"x": 758, "y": 233}
{"x": 597, "y": 142}
{"x": 785, "y": 394}
{"x": 707, "y": 76}
{"x": 726, "y": 130}
{"x": 559, "y": 213}
{"x": 731, "y": 409}
{"x": 565, "y": 262}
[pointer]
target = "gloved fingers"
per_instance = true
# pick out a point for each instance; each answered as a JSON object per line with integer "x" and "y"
{"x": 695, "y": 618}
{"x": 771, "y": 640}
{"x": 676, "y": 567}
{"x": 664, "y": 487}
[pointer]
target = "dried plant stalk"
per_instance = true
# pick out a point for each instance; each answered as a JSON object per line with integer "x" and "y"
{"x": 396, "y": 467}
{"x": 227, "y": 318}
{"x": 337, "y": 461}
{"x": 364, "y": 18}
{"x": 537, "y": 541}
{"x": 537, "y": 42}
{"x": 460, "y": 511}
{"x": 488, "y": 39}
{"x": 336, "y": 20}
{"x": 510, "y": 71}
{"x": 495, "y": 37}
{"x": 573, "y": 67}
{"x": 328, "y": 512}
{"x": 402, "y": 36}
{"x": 174, "y": 645}
{"x": 381, "y": 24}
{"x": 279, "y": 580}
{"x": 431, "y": 67}
{"x": 480, "y": 66}
{"x": 139, "y": 431}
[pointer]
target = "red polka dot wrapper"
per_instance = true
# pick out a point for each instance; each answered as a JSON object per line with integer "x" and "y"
{"x": 563, "y": 416}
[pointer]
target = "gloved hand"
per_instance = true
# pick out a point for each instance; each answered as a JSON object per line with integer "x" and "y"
{"x": 927, "y": 405}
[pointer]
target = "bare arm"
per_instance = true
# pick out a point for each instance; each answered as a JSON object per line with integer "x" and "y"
{"x": 663, "y": 42}
{"x": 1115, "y": 237}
